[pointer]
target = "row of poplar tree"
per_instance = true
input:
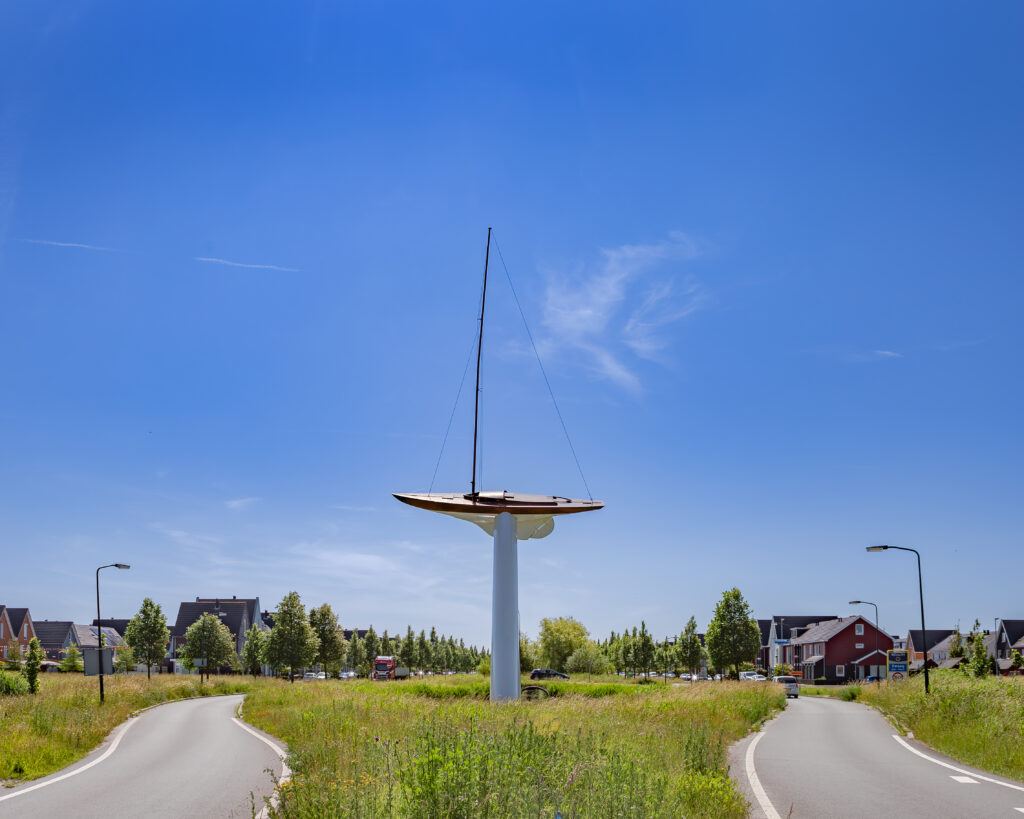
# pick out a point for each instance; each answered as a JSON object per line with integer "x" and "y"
{"x": 731, "y": 643}
{"x": 298, "y": 640}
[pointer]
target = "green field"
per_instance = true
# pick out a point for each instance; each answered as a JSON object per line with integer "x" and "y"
{"x": 979, "y": 721}
{"x": 440, "y": 749}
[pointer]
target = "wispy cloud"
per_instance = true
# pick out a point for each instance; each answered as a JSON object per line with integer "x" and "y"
{"x": 625, "y": 307}
{"x": 71, "y": 244}
{"x": 869, "y": 356}
{"x": 247, "y": 266}
{"x": 886, "y": 354}
{"x": 237, "y": 504}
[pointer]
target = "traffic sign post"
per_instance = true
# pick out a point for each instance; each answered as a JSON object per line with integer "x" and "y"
{"x": 897, "y": 664}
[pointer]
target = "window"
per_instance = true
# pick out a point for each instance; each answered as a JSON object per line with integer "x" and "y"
{"x": 840, "y": 670}
{"x": 859, "y": 628}
{"x": 858, "y": 645}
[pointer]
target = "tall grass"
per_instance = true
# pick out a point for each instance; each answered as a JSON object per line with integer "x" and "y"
{"x": 406, "y": 750}
{"x": 41, "y": 733}
{"x": 979, "y": 721}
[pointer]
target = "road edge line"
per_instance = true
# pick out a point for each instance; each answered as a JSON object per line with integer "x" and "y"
{"x": 121, "y": 730}
{"x": 914, "y": 750}
{"x": 286, "y": 772}
{"x": 755, "y": 783}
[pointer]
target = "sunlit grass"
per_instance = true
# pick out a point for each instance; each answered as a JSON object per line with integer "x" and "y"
{"x": 42, "y": 733}
{"x": 440, "y": 749}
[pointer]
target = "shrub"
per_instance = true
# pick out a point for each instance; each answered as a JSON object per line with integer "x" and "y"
{"x": 12, "y": 683}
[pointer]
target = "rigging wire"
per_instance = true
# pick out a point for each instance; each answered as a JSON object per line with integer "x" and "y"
{"x": 465, "y": 370}
{"x": 543, "y": 372}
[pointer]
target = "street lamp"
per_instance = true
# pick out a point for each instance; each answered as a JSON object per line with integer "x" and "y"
{"x": 869, "y": 603}
{"x": 920, "y": 588}
{"x": 99, "y": 620}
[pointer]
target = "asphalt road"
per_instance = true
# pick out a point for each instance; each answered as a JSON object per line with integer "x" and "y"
{"x": 188, "y": 758}
{"x": 827, "y": 759}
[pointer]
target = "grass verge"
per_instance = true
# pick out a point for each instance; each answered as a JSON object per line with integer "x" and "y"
{"x": 42, "y": 733}
{"x": 442, "y": 750}
{"x": 979, "y": 721}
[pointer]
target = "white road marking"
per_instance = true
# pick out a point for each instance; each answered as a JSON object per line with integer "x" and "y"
{"x": 755, "y": 783}
{"x": 286, "y": 772}
{"x": 966, "y": 780}
{"x": 121, "y": 731}
{"x": 914, "y": 750}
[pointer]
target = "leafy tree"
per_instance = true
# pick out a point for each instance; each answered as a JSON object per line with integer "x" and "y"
{"x": 124, "y": 660}
{"x": 978, "y": 665}
{"x": 626, "y": 653}
{"x": 356, "y": 656}
{"x": 147, "y": 634}
{"x": 324, "y": 623}
{"x": 644, "y": 651}
{"x": 484, "y": 667}
{"x": 1016, "y": 660}
{"x": 371, "y": 644}
{"x": 253, "y": 650}
{"x": 559, "y": 638}
{"x": 689, "y": 651}
{"x": 781, "y": 670}
{"x": 424, "y": 655}
{"x": 33, "y": 662}
{"x": 386, "y": 647}
{"x": 210, "y": 641}
{"x": 14, "y": 658}
{"x": 956, "y": 644}
{"x": 527, "y": 654}
{"x": 292, "y": 642}
{"x": 588, "y": 658}
{"x": 733, "y": 636}
{"x": 664, "y": 656}
{"x": 407, "y": 653}
{"x": 72, "y": 660}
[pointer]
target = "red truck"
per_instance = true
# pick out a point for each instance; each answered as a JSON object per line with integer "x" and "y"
{"x": 387, "y": 668}
{"x": 384, "y": 668}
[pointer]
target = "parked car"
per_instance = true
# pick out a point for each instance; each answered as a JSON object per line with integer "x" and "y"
{"x": 759, "y": 678}
{"x": 789, "y": 685}
{"x": 546, "y": 674}
{"x": 873, "y": 678}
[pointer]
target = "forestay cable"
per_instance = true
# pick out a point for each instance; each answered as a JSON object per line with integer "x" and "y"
{"x": 540, "y": 363}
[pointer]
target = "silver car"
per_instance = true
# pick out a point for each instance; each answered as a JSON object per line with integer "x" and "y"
{"x": 790, "y": 686}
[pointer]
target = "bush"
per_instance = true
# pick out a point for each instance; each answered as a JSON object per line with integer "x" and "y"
{"x": 12, "y": 684}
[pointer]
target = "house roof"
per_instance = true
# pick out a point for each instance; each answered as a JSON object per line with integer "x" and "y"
{"x": 765, "y": 627}
{"x": 117, "y": 625}
{"x": 360, "y": 631}
{"x": 52, "y": 633}
{"x": 17, "y": 618}
{"x": 253, "y": 604}
{"x": 951, "y": 662}
{"x": 935, "y": 636}
{"x": 231, "y": 613}
{"x": 86, "y": 636}
{"x": 822, "y": 632}
{"x": 817, "y": 658}
{"x": 789, "y": 622}
{"x": 1014, "y": 631}
{"x": 868, "y": 656}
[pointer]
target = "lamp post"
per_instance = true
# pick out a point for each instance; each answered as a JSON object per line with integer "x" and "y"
{"x": 869, "y": 603}
{"x": 99, "y": 620}
{"x": 920, "y": 588}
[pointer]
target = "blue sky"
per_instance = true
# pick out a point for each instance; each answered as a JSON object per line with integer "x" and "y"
{"x": 770, "y": 254}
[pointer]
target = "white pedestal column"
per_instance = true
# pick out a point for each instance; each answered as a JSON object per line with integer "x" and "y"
{"x": 505, "y": 611}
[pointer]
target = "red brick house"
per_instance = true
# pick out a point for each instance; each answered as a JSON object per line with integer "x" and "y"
{"x": 838, "y": 651}
{"x": 15, "y": 624}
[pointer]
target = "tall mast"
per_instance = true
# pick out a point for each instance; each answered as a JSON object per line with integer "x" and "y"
{"x": 479, "y": 351}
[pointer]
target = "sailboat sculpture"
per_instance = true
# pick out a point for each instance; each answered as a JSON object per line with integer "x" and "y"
{"x": 509, "y": 517}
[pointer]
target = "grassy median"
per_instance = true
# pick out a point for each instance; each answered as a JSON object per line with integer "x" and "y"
{"x": 44, "y": 732}
{"x": 440, "y": 749}
{"x": 979, "y": 721}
